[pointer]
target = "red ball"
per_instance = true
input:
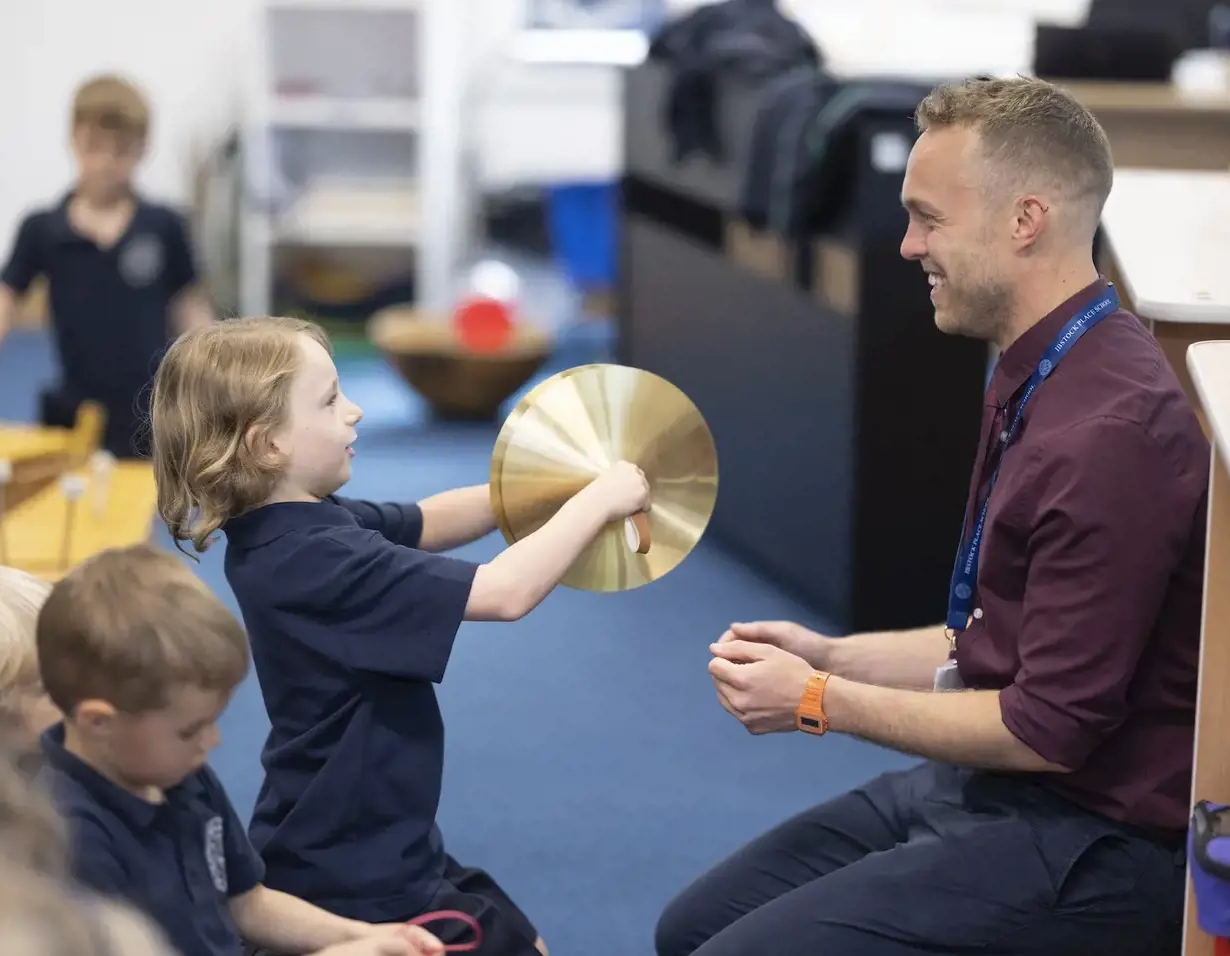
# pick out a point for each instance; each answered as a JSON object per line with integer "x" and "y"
{"x": 483, "y": 325}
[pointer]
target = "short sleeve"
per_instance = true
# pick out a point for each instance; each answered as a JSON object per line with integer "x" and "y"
{"x": 376, "y": 606}
{"x": 94, "y": 862}
{"x": 400, "y": 523}
{"x": 1113, "y": 522}
{"x": 26, "y": 262}
{"x": 244, "y": 868}
{"x": 181, "y": 262}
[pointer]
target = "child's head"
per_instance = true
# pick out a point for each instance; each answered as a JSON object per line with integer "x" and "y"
{"x": 246, "y": 412}
{"x": 25, "y": 710}
{"x": 32, "y": 833}
{"x": 109, "y": 132}
{"x": 141, "y": 658}
{"x": 42, "y": 916}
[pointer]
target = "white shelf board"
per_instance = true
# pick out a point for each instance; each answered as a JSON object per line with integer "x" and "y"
{"x": 342, "y": 6}
{"x": 344, "y": 113}
{"x": 599, "y": 47}
{"x": 351, "y": 214}
{"x": 1170, "y": 232}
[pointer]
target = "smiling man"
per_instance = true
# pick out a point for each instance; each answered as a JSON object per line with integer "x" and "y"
{"x": 1054, "y": 709}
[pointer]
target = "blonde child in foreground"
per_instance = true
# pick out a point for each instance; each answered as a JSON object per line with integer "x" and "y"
{"x": 25, "y": 710}
{"x": 141, "y": 659}
{"x": 351, "y": 613}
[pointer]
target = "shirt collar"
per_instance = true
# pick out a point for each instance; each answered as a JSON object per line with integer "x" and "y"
{"x": 63, "y": 229}
{"x": 127, "y": 806}
{"x": 1020, "y": 359}
{"x": 262, "y": 525}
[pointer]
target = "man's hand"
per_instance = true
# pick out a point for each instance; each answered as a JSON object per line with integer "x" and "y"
{"x": 790, "y": 637}
{"x": 759, "y": 683}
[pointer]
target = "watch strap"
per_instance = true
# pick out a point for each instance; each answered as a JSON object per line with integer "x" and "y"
{"x": 810, "y": 717}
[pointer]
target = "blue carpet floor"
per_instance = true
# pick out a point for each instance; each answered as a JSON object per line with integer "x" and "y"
{"x": 589, "y": 766}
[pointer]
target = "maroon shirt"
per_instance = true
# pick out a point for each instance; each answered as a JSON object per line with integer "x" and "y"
{"x": 1090, "y": 575}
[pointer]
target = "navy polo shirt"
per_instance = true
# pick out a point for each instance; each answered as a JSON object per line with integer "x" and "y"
{"x": 109, "y": 306}
{"x": 350, "y": 627}
{"x": 179, "y": 862}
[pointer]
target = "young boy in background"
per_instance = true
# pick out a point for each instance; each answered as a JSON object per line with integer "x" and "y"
{"x": 141, "y": 658}
{"x": 119, "y": 270}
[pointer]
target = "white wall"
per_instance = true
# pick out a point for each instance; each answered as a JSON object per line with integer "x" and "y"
{"x": 188, "y": 57}
{"x": 182, "y": 53}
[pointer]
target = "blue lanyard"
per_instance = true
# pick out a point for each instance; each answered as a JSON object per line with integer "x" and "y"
{"x": 965, "y": 570}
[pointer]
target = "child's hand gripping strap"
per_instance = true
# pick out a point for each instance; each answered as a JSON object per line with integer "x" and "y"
{"x": 457, "y": 915}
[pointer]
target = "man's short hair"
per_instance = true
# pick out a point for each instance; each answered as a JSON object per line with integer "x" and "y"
{"x": 1030, "y": 131}
{"x": 128, "y": 626}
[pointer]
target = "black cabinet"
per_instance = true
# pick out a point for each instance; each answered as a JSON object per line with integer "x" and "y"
{"x": 846, "y": 424}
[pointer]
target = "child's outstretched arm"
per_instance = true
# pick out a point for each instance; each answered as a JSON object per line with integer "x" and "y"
{"x": 457, "y": 517}
{"x": 273, "y": 920}
{"x": 515, "y": 581}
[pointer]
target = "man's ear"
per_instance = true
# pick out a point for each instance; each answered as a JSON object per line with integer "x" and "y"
{"x": 94, "y": 716}
{"x": 1032, "y": 217}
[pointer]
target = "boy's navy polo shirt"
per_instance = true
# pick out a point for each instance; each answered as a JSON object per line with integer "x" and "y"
{"x": 179, "y": 862}
{"x": 350, "y": 627}
{"x": 109, "y": 307}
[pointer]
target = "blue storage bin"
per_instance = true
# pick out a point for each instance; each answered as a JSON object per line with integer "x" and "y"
{"x": 582, "y": 223}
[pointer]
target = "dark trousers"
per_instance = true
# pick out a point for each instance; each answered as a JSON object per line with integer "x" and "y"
{"x": 936, "y": 860}
{"x": 507, "y": 931}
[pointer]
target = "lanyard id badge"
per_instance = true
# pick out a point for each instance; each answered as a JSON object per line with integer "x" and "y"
{"x": 948, "y": 676}
{"x": 965, "y": 568}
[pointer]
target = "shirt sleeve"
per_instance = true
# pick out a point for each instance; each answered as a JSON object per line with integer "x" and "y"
{"x": 1112, "y": 524}
{"x": 401, "y": 524}
{"x": 181, "y": 262}
{"x": 94, "y": 863}
{"x": 26, "y": 262}
{"x": 376, "y": 606}
{"x": 244, "y": 867}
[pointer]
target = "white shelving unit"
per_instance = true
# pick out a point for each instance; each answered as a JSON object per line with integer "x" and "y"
{"x": 347, "y": 149}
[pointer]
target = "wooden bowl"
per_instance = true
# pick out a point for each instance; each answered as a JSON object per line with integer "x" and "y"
{"x": 456, "y": 383}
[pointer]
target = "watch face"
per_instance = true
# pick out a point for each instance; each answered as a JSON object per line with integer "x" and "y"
{"x": 810, "y": 722}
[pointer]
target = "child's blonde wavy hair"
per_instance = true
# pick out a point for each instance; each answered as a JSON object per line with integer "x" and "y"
{"x": 44, "y": 916}
{"x": 33, "y": 835}
{"x": 21, "y": 598}
{"x": 218, "y": 394}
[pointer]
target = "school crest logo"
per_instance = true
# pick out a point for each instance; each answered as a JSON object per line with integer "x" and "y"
{"x": 141, "y": 260}
{"x": 215, "y": 854}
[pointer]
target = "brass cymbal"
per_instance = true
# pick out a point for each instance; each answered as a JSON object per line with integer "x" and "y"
{"x": 570, "y": 428}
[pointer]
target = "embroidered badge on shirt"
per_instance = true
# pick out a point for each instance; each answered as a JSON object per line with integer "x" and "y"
{"x": 141, "y": 260}
{"x": 215, "y": 854}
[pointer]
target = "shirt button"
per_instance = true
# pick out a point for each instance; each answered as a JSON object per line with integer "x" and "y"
{"x": 978, "y": 614}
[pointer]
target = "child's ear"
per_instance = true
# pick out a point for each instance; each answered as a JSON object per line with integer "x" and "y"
{"x": 262, "y": 445}
{"x": 94, "y": 716}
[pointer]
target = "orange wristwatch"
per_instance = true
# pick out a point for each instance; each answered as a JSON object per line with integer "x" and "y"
{"x": 809, "y": 716}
